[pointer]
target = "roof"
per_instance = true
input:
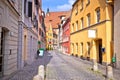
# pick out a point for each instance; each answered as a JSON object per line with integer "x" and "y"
{"x": 75, "y": 2}
{"x": 53, "y": 18}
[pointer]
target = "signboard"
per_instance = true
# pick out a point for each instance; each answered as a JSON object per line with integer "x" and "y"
{"x": 92, "y": 33}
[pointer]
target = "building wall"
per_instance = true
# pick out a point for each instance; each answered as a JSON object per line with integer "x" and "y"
{"x": 49, "y": 36}
{"x": 29, "y": 46}
{"x": 55, "y": 40}
{"x": 9, "y": 22}
{"x": 20, "y": 33}
{"x": 116, "y": 30}
{"x": 79, "y": 36}
{"x": 66, "y": 34}
{"x": 27, "y": 38}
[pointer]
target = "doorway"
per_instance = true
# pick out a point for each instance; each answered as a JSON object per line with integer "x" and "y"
{"x": 88, "y": 50}
{"x": 25, "y": 47}
{"x": 100, "y": 51}
{"x": 1, "y": 51}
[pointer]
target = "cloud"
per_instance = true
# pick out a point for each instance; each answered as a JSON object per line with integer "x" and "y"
{"x": 71, "y": 1}
{"x": 66, "y": 6}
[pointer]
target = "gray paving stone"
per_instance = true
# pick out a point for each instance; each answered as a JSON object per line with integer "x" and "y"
{"x": 67, "y": 68}
{"x": 59, "y": 67}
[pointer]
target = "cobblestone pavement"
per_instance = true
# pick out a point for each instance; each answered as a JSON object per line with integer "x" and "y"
{"x": 101, "y": 68}
{"x": 62, "y": 67}
{"x": 29, "y": 71}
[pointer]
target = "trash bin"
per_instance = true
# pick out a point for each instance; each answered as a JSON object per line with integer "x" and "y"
{"x": 114, "y": 62}
{"x": 113, "y": 59}
{"x": 41, "y": 52}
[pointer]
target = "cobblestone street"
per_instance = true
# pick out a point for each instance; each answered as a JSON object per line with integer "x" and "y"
{"x": 58, "y": 67}
{"x": 62, "y": 67}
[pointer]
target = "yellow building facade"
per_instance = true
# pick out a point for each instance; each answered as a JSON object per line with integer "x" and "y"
{"x": 91, "y": 30}
{"x": 49, "y": 38}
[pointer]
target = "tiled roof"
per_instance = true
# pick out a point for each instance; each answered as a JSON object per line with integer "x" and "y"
{"x": 53, "y": 18}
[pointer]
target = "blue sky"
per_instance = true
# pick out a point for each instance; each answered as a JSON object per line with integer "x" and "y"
{"x": 57, "y": 5}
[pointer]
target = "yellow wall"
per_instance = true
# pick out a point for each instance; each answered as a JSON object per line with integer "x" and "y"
{"x": 103, "y": 28}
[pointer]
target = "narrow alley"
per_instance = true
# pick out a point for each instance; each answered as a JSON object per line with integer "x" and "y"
{"x": 58, "y": 67}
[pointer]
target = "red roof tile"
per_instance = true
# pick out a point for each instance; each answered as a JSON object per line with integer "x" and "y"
{"x": 54, "y": 18}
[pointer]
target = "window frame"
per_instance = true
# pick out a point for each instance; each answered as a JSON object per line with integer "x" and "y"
{"x": 82, "y": 23}
{"x": 88, "y": 19}
{"x": 97, "y": 15}
{"x": 76, "y": 10}
{"x": 88, "y": 2}
{"x": 77, "y": 25}
{"x": 73, "y": 27}
{"x": 82, "y": 5}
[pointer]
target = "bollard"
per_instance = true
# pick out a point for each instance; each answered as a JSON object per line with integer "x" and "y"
{"x": 95, "y": 65}
{"x": 41, "y": 71}
{"x": 109, "y": 72}
{"x": 37, "y": 77}
{"x": 40, "y": 75}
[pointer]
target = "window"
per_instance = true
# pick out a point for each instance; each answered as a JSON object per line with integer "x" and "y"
{"x": 81, "y": 50}
{"x": 88, "y": 2}
{"x": 72, "y": 48}
{"x": 76, "y": 10}
{"x": 36, "y": 2}
{"x": 77, "y": 47}
{"x": 88, "y": 20}
{"x": 39, "y": 31}
{"x": 29, "y": 9}
{"x": 25, "y": 6}
{"x": 82, "y": 23}
{"x": 81, "y": 8}
{"x": 76, "y": 25}
{"x": 73, "y": 27}
{"x": 88, "y": 49}
{"x": 98, "y": 15}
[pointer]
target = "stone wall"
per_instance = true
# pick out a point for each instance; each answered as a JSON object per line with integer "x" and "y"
{"x": 117, "y": 30}
{"x": 9, "y": 23}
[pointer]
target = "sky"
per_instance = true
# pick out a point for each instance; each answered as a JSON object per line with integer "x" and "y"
{"x": 57, "y": 5}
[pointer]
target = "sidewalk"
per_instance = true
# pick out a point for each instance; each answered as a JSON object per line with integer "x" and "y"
{"x": 101, "y": 68}
{"x": 29, "y": 71}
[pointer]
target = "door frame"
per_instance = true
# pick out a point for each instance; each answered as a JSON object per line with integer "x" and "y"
{"x": 99, "y": 50}
{"x": 3, "y": 31}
